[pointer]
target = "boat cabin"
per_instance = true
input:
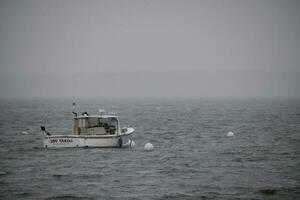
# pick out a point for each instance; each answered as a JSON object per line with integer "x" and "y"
{"x": 96, "y": 125}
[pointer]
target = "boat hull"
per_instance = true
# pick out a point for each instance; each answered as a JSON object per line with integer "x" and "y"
{"x": 58, "y": 141}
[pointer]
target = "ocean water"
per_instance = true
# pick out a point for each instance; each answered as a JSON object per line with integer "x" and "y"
{"x": 193, "y": 157}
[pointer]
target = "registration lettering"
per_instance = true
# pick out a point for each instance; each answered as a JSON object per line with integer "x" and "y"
{"x": 61, "y": 140}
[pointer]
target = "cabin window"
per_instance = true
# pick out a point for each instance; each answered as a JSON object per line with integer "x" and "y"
{"x": 82, "y": 123}
{"x": 93, "y": 122}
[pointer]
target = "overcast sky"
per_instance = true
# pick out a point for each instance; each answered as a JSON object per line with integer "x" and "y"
{"x": 61, "y": 48}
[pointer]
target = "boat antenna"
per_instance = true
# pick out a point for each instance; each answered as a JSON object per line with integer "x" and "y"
{"x": 74, "y": 106}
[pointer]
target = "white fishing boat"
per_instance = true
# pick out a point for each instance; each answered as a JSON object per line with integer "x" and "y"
{"x": 92, "y": 131}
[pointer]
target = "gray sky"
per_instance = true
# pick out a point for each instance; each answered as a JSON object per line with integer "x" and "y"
{"x": 149, "y": 48}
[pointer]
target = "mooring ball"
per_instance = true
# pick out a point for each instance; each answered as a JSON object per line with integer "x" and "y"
{"x": 148, "y": 147}
{"x": 229, "y": 134}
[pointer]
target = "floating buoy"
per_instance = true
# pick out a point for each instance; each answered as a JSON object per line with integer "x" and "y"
{"x": 148, "y": 147}
{"x": 230, "y": 134}
{"x": 24, "y": 132}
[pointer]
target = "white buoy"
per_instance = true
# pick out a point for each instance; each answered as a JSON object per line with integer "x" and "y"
{"x": 148, "y": 147}
{"x": 132, "y": 143}
{"x": 24, "y": 132}
{"x": 230, "y": 134}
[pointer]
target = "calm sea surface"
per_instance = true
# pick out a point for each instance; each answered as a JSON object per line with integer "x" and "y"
{"x": 193, "y": 157}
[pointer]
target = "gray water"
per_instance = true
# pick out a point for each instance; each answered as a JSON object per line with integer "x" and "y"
{"x": 193, "y": 157}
